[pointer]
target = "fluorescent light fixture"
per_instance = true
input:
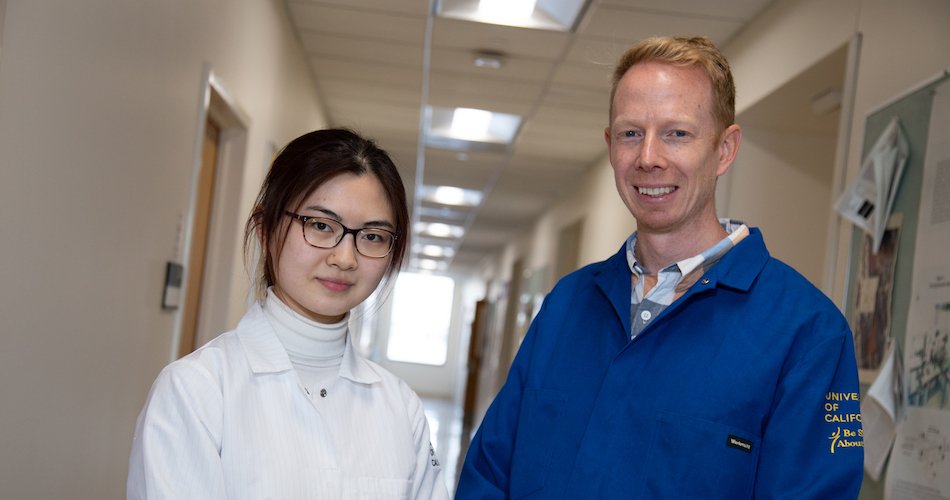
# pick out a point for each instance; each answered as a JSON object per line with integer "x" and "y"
{"x": 555, "y": 15}
{"x": 449, "y": 195}
{"x": 506, "y": 11}
{"x": 428, "y": 264}
{"x": 439, "y": 230}
{"x": 470, "y": 124}
{"x": 434, "y": 251}
{"x": 442, "y": 212}
{"x": 467, "y": 129}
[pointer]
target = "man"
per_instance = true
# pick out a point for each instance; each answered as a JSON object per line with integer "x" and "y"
{"x": 691, "y": 364}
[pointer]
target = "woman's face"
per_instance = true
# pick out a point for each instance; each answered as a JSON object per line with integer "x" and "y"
{"x": 324, "y": 283}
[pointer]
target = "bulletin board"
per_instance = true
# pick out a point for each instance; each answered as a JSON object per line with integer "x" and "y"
{"x": 913, "y": 110}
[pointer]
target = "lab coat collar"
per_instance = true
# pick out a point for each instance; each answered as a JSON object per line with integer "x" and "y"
{"x": 266, "y": 354}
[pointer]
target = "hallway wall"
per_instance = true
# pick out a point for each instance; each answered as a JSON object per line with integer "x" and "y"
{"x": 98, "y": 112}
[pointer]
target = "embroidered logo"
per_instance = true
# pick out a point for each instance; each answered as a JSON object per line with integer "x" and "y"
{"x": 739, "y": 443}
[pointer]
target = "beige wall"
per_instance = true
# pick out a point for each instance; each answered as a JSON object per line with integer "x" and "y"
{"x": 98, "y": 112}
{"x": 774, "y": 185}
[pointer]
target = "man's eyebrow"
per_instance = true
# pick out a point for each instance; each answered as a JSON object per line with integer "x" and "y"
{"x": 335, "y": 216}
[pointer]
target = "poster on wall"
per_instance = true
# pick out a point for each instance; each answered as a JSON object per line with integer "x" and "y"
{"x": 871, "y": 308}
{"x": 920, "y": 462}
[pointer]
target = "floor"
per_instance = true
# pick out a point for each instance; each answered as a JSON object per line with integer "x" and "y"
{"x": 445, "y": 427}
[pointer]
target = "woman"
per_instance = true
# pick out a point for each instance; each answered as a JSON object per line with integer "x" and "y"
{"x": 282, "y": 406}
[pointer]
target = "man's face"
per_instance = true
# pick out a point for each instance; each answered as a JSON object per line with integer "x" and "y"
{"x": 665, "y": 147}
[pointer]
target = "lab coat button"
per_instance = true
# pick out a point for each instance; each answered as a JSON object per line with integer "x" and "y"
{"x": 323, "y": 393}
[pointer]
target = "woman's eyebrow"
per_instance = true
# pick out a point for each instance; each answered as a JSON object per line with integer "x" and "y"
{"x": 379, "y": 223}
{"x": 335, "y": 216}
{"x": 326, "y": 211}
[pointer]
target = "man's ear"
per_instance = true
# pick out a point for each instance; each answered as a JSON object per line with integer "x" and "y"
{"x": 728, "y": 148}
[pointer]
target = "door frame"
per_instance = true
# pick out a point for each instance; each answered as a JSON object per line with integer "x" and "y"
{"x": 218, "y": 105}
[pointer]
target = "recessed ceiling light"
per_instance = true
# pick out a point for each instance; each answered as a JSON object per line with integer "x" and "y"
{"x": 467, "y": 129}
{"x": 439, "y": 230}
{"x": 556, "y": 15}
{"x": 436, "y": 251}
{"x": 505, "y": 11}
{"x": 470, "y": 124}
{"x": 450, "y": 195}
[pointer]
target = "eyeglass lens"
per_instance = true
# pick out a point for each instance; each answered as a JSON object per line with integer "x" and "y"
{"x": 326, "y": 233}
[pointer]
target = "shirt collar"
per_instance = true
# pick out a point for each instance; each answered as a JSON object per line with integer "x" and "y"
{"x": 266, "y": 354}
{"x": 737, "y": 231}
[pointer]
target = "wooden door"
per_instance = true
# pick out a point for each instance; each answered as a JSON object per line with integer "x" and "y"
{"x": 199, "y": 238}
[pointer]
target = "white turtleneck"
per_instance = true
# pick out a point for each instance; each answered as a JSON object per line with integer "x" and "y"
{"x": 315, "y": 349}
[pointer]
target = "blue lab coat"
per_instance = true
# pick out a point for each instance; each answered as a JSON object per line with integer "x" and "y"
{"x": 744, "y": 387}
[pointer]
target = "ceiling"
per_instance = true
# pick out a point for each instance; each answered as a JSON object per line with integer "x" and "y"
{"x": 368, "y": 64}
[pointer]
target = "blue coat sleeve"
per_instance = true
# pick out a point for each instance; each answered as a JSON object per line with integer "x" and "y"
{"x": 486, "y": 472}
{"x": 815, "y": 428}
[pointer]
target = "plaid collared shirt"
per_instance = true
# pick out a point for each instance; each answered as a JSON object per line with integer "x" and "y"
{"x": 673, "y": 281}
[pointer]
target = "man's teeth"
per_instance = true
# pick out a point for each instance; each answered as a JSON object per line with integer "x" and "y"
{"x": 656, "y": 191}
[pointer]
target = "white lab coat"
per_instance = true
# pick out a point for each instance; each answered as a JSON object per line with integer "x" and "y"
{"x": 232, "y": 420}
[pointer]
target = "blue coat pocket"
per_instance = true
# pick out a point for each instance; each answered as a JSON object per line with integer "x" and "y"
{"x": 538, "y": 424}
{"x": 691, "y": 457}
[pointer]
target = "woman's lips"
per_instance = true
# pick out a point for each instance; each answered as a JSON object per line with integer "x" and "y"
{"x": 335, "y": 285}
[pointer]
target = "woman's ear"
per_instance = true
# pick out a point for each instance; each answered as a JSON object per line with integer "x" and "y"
{"x": 258, "y": 216}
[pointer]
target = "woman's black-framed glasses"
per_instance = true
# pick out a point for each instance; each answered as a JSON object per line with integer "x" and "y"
{"x": 321, "y": 232}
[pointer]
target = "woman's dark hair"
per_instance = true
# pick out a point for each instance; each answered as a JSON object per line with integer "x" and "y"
{"x": 302, "y": 167}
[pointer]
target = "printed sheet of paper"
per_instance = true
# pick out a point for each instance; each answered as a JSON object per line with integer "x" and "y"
{"x": 868, "y": 201}
{"x": 880, "y": 411}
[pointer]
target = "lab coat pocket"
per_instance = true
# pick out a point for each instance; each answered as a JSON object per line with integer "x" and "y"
{"x": 538, "y": 425}
{"x": 371, "y": 488}
{"x": 692, "y": 457}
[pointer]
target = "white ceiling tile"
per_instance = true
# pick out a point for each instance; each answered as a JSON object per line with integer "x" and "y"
{"x": 334, "y": 89}
{"x": 366, "y": 72}
{"x": 484, "y": 87}
{"x": 590, "y": 75}
{"x": 620, "y": 24}
{"x": 352, "y": 22}
{"x": 361, "y": 49}
{"x": 733, "y": 10}
{"x": 461, "y": 61}
{"x": 371, "y": 116}
{"x": 585, "y": 98}
{"x": 593, "y": 119}
{"x": 414, "y": 7}
{"x": 514, "y": 41}
{"x": 597, "y": 50}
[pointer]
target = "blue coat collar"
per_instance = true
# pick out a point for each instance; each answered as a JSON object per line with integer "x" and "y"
{"x": 737, "y": 270}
